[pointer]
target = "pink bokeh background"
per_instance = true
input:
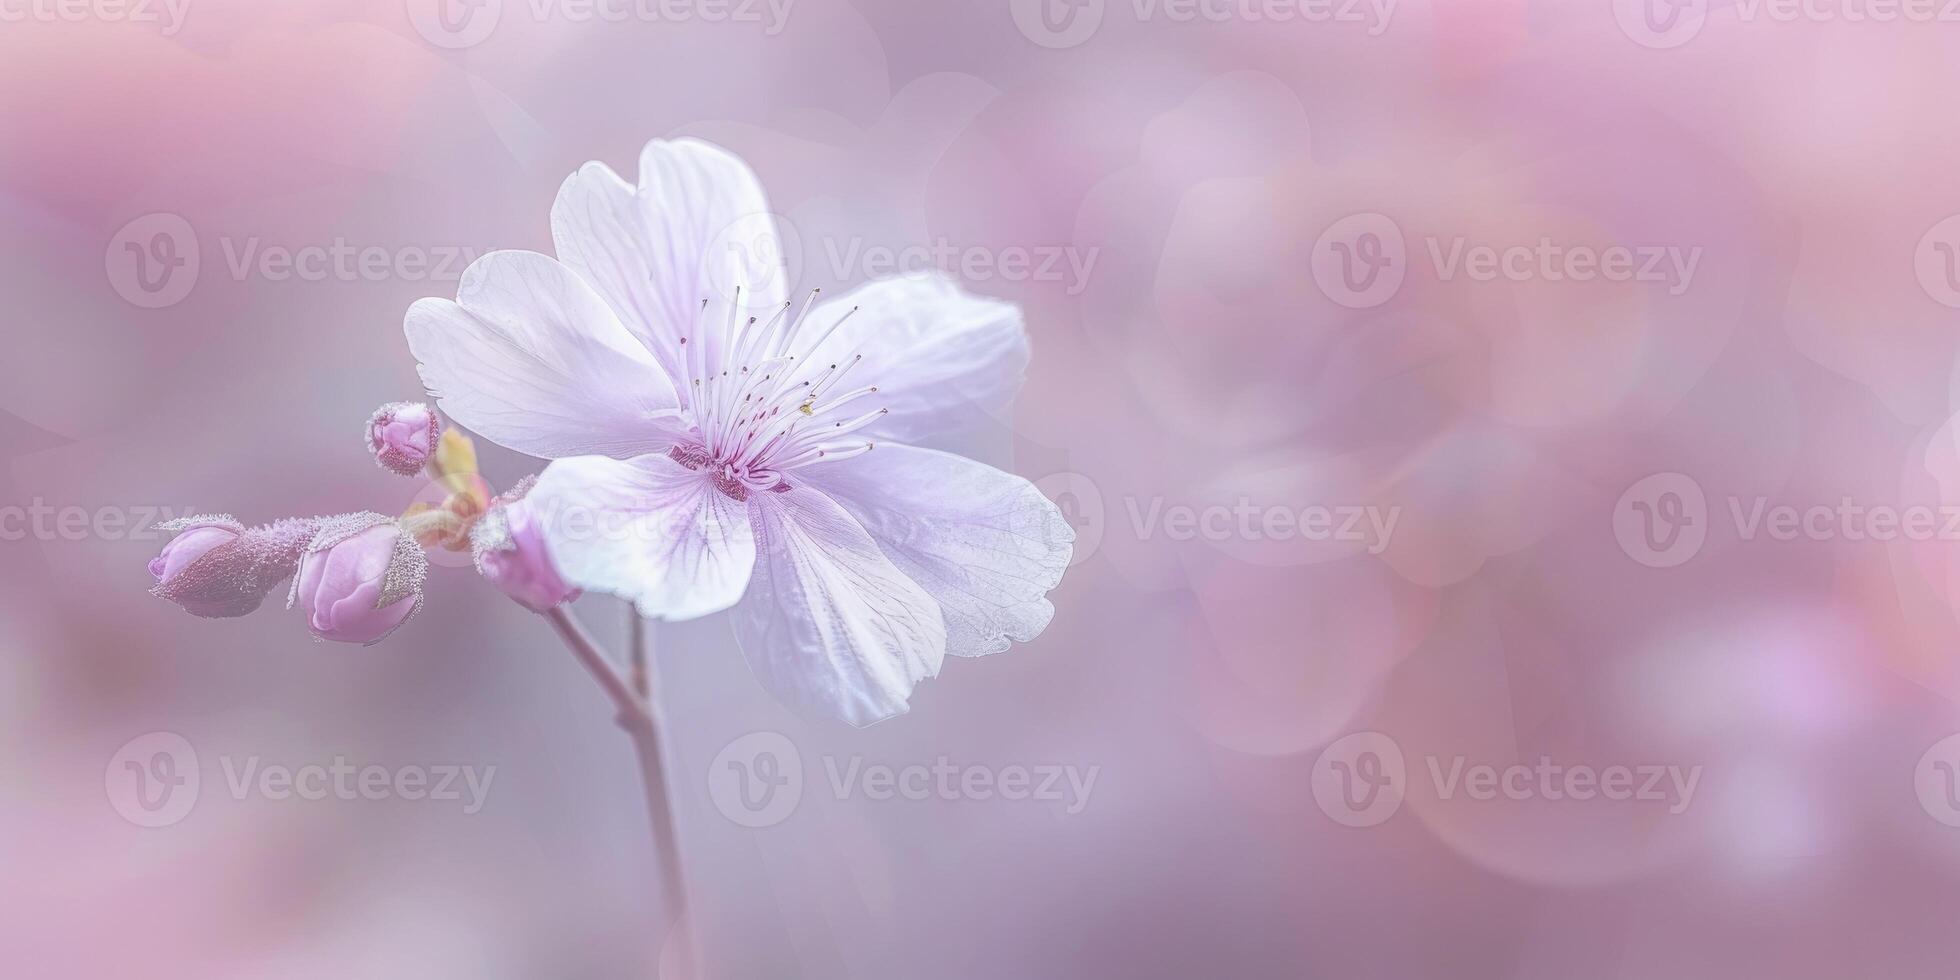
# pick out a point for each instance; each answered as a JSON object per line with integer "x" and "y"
{"x": 1186, "y": 176}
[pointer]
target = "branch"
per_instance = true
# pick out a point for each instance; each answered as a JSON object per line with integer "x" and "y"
{"x": 632, "y": 709}
{"x": 636, "y": 631}
{"x": 636, "y": 714}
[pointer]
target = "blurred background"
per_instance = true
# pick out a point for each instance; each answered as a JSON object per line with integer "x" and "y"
{"x": 1510, "y": 444}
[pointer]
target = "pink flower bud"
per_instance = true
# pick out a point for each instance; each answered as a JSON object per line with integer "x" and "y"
{"x": 359, "y": 578}
{"x": 511, "y": 554}
{"x": 216, "y": 567}
{"x": 188, "y": 547}
{"x": 402, "y": 435}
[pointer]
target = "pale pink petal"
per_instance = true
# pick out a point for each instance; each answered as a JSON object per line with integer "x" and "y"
{"x": 829, "y": 624}
{"x": 697, "y": 226}
{"x": 986, "y": 545}
{"x": 529, "y": 357}
{"x": 646, "y": 529}
{"x": 943, "y": 360}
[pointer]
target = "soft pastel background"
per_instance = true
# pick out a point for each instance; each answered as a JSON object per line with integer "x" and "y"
{"x": 1810, "y": 360}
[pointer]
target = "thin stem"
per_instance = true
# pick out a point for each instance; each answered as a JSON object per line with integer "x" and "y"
{"x": 638, "y": 717}
{"x": 625, "y": 702}
{"x": 636, "y": 645}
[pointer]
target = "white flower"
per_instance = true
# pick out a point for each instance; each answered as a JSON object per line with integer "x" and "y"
{"x": 723, "y": 447}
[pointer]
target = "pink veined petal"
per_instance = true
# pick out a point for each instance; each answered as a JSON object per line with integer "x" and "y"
{"x": 944, "y": 360}
{"x": 985, "y": 544}
{"x": 646, "y": 529}
{"x": 189, "y": 547}
{"x": 697, "y": 226}
{"x": 829, "y": 624}
{"x": 529, "y": 357}
{"x": 356, "y": 580}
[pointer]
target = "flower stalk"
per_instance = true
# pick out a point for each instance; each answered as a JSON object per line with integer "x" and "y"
{"x": 637, "y": 714}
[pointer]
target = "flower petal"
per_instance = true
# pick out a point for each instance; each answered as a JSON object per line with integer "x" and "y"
{"x": 986, "y": 545}
{"x": 529, "y": 357}
{"x": 697, "y": 225}
{"x": 831, "y": 625}
{"x": 943, "y": 359}
{"x": 648, "y": 529}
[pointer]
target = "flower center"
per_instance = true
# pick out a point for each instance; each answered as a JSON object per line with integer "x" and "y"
{"x": 762, "y": 402}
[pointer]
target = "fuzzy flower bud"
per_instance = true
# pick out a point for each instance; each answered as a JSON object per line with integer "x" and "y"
{"x": 359, "y": 578}
{"x": 511, "y": 553}
{"x": 402, "y": 435}
{"x": 217, "y": 567}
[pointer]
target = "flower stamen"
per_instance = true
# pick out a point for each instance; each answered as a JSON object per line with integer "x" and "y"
{"x": 761, "y": 405}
